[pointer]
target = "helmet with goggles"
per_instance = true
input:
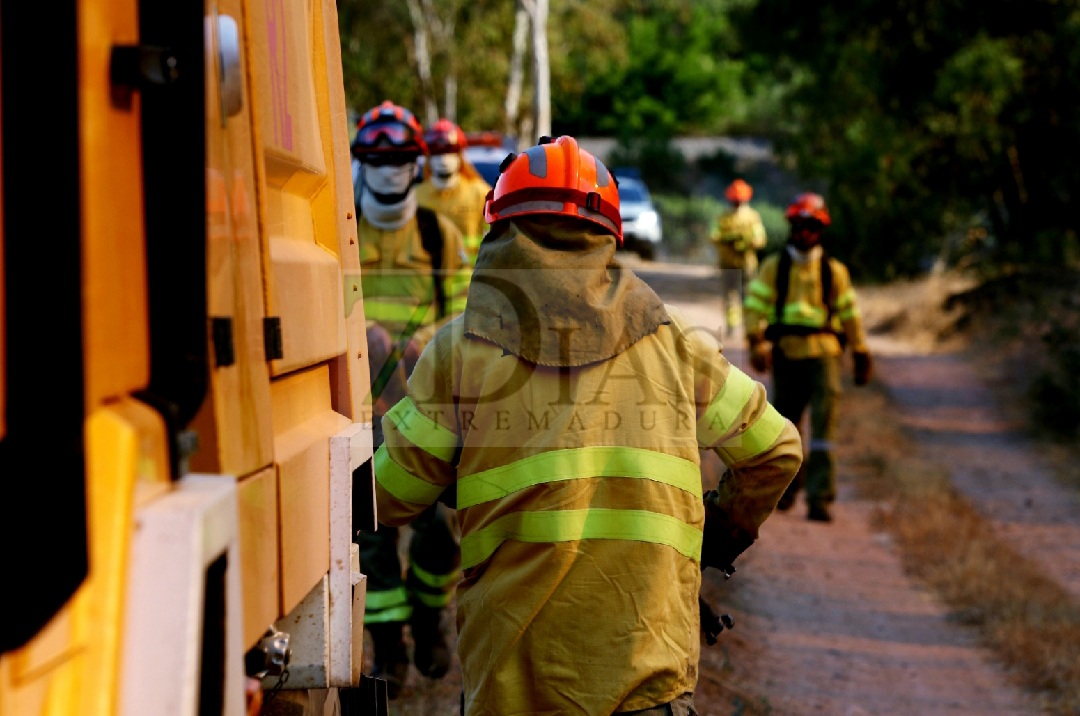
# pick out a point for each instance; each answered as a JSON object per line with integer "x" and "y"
{"x": 556, "y": 177}
{"x": 445, "y": 137}
{"x": 808, "y": 208}
{"x": 388, "y": 129}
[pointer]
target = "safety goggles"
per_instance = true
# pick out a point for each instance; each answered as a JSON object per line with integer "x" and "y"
{"x": 442, "y": 143}
{"x": 807, "y": 224}
{"x": 387, "y": 159}
{"x": 394, "y": 134}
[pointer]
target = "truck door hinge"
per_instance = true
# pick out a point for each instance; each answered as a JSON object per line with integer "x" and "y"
{"x": 272, "y": 340}
{"x": 133, "y": 67}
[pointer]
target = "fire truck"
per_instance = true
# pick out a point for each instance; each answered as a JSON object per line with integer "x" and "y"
{"x": 185, "y": 430}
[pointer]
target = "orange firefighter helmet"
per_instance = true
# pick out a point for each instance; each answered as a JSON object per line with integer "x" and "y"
{"x": 808, "y": 206}
{"x": 445, "y": 137}
{"x": 556, "y": 177}
{"x": 388, "y": 128}
{"x": 739, "y": 191}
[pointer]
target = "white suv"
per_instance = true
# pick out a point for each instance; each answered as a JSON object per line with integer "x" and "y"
{"x": 642, "y": 232}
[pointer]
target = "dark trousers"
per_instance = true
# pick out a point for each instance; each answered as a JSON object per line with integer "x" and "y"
{"x": 433, "y": 565}
{"x": 813, "y": 382}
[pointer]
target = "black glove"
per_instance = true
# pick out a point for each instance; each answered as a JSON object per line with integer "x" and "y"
{"x": 722, "y": 540}
{"x": 760, "y": 355}
{"x": 864, "y": 368}
{"x": 712, "y": 623}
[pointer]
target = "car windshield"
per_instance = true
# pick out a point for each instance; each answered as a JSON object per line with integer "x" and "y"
{"x": 632, "y": 191}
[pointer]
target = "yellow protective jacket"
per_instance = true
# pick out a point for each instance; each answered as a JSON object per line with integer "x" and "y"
{"x": 396, "y": 275}
{"x": 739, "y": 235}
{"x": 804, "y": 307}
{"x": 462, "y": 203}
{"x": 579, "y": 498}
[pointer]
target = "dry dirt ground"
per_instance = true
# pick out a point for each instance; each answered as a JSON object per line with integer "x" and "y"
{"x": 826, "y": 619}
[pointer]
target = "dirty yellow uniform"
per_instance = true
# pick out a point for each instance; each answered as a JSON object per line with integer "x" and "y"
{"x": 399, "y": 295}
{"x": 462, "y": 203}
{"x": 575, "y": 454}
{"x": 396, "y": 275}
{"x": 807, "y": 352}
{"x": 804, "y": 308}
{"x": 739, "y": 235}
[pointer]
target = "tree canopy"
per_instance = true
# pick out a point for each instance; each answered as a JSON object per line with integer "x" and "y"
{"x": 934, "y": 127}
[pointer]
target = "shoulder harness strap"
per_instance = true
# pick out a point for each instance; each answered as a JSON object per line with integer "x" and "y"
{"x": 783, "y": 280}
{"x": 431, "y": 239}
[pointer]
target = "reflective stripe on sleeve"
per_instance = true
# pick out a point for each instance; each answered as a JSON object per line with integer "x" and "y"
{"x": 578, "y": 463}
{"x": 725, "y": 408}
{"x": 759, "y": 438}
{"x": 761, "y": 290}
{"x": 401, "y": 483}
{"x": 573, "y": 525}
{"x": 422, "y": 431}
{"x": 390, "y": 312}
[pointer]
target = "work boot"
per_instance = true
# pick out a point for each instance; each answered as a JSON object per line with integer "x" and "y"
{"x": 391, "y": 661}
{"x": 431, "y": 653}
{"x": 818, "y": 513}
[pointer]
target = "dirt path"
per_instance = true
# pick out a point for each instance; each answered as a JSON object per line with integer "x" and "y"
{"x": 957, "y": 421}
{"x": 826, "y": 620}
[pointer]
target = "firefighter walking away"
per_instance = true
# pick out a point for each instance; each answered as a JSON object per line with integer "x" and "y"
{"x": 568, "y": 406}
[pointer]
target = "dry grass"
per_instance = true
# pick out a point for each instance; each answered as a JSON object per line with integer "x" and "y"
{"x": 1029, "y": 622}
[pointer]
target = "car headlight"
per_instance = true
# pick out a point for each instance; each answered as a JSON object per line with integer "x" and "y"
{"x": 647, "y": 219}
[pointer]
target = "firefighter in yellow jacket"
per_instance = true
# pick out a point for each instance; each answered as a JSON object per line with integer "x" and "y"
{"x": 568, "y": 406}
{"x": 410, "y": 259}
{"x": 452, "y": 185}
{"x": 739, "y": 235}
{"x": 801, "y": 310}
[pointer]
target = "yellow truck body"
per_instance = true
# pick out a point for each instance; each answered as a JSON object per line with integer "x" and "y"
{"x": 184, "y": 401}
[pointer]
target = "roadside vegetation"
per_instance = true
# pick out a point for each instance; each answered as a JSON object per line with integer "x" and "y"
{"x": 1029, "y": 622}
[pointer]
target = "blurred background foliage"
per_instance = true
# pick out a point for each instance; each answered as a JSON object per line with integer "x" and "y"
{"x": 941, "y": 132}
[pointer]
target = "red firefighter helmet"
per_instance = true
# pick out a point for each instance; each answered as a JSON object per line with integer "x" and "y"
{"x": 808, "y": 206}
{"x": 556, "y": 177}
{"x": 386, "y": 129}
{"x": 739, "y": 191}
{"x": 445, "y": 137}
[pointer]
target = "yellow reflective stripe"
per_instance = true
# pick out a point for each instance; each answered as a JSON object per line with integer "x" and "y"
{"x": 760, "y": 289}
{"x": 390, "y": 312}
{"x": 846, "y": 299}
{"x": 387, "y": 598}
{"x": 397, "y": 614}
{"x": 725, "y": 408}
{"x": 573, "y": 525}
{"x": 472, "y": 243}
{"x": 422, "y": 431}
{"x": 436, "y": 581}
{"x": 435, "y": 601}
{"x": 753, "y": 304}
{"x": 578, "y": 463}
{"x": 457, "y": 305}
{"x": 760, "y": 437}
{"x": 847, "y": 315}
{"x": 396, "y": 285}
{"x": 804, "y": 314}
{"x": 401, "y": 483}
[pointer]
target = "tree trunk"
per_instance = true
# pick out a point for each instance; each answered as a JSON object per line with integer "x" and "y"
{"x": 541, "y": 68}
{"x": 517, "y": 71}
{"x": 423, "y": 61}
